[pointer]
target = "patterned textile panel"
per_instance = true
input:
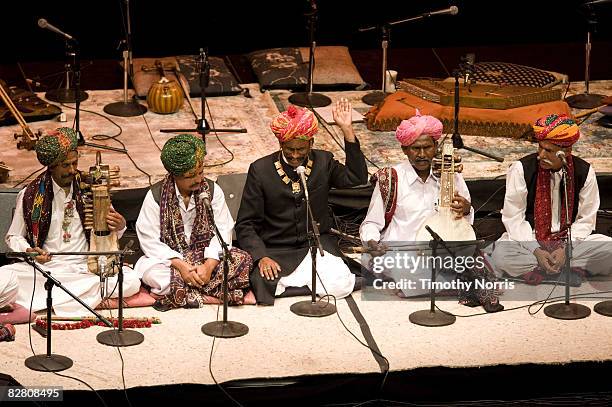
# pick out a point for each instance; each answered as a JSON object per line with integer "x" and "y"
{"x": 504, "y": 73}
{"x": 221, "y": 83}
{"x": 279, "y": 68}
{"x": 287, "y": 68}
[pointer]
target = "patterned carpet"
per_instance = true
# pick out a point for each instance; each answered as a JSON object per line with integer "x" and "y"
{"x": 143, "y": 139}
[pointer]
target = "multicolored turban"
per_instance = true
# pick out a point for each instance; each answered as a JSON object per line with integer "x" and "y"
{"x": 183, "y": 153}
{"x": 295, "y": 123}
{"x": 558, "y": 129}
{"x": 53, "y": 147}
{"x": 410, "y": 130}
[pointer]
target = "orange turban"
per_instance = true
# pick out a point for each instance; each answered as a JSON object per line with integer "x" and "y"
{"x": 295, "y": 123}
{"x": 558, "y": 129}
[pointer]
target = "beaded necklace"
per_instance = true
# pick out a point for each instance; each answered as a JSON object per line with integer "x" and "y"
{"x": 295, "y": 185}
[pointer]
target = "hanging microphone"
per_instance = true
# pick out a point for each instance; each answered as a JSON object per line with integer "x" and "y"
{"x": 301, "y": 170}
{"x": 561, "y": 155}
{"x": 452, "y": 10}
{"x": 42, "y": 23}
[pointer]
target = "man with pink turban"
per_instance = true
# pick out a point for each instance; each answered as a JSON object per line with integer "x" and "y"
{"x": 407, "y": 193}
{"x": 405, "y": 196}
{"x": 272, "y": 221}
{"x": 534, "y": 212}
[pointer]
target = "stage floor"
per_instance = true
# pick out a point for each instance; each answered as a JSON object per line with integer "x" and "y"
{"x": 143, "y": 139}
{"x": 280, "y": 344}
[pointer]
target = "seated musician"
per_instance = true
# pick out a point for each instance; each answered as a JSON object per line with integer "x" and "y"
{"x": 533, "y": 247}
{"x": 177, "y": 235}
{"x": 272, "y": 222}
{"x": 48, "y": 218}
{"x": 407, "y": 194}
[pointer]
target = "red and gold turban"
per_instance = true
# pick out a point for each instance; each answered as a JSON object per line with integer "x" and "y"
{"x": 295, "y": 123}
{"x": 558, "y": 129}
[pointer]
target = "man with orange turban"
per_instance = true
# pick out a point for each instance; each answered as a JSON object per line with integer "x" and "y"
{"x": 272, "y": 220}
{"x": 534, "y": 212}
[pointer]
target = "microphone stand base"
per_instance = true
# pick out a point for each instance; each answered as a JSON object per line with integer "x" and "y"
{"x": 313, "y": 309}
{"x": 604, "y": 308}
{"x": 115, "y": 337}
{"x": 125, "y": 109}
{"x": 585, "y": 101}
{"x": 567, "y": 311}
{"x": 431, "y": 318}
{"x": 228, "y": 329}
{"x": 306, "y": 99}
{"x": 51, "y": 363}
{"x": 65, "y": 95}
{"x": 374, "y": 98}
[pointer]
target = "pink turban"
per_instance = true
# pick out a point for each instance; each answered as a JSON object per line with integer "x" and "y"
{"x": 410, "y": 130}
{"x": 295, "y": 123}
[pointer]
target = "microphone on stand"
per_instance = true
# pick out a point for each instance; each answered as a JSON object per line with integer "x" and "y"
{"x": 301, "y": 170}
{"x": 452, "y": 10}
{"x": 42, "y": 23}
{"x": 561, "y": 155}
{"x": 206, "y": 201}
{"x": 469, "y": 67}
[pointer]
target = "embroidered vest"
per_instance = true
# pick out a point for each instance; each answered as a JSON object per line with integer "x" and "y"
{"x": 530, "y": 172}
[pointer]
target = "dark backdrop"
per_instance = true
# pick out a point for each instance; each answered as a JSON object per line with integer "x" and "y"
{"x": 235, "y": 27}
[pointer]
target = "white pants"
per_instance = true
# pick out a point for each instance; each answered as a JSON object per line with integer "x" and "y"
{"x": 8, "y": 287}
{"x": 332, "y": 273}
{"x": 155, "y": 273}
{"x": 74, "y": 277}
{"x": 593, "y": 254}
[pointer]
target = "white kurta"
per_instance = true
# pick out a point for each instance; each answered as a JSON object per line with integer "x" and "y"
{"x": 71, "y": 271}
{"x": 154, "y": 266}
{"x": 417, "y": 200}
{"x": 513, "y": 253}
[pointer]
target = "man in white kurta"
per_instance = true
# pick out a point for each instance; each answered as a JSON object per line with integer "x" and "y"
{"x": 154, "y": 266}
{"x": 417, "y": 193}
{"x": 520, "y": 252}
{"x": 176, "y": 229}
{"x": 65, "y": 234}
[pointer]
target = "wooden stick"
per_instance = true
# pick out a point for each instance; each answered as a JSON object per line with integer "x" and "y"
{"x": 153, "y": 320}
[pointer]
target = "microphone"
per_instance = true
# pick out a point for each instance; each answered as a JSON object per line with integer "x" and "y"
{"x": 301, "y": 170}
{"x": 127, "y": 248}
{"x": 42, "y": 23}
{"x": 469, "y": 67}
{"x": 433, "y": 234}
{"x": 590, "y": 3}
{"x": 561, "y": 155}
{"x": 452, "y": 10}
{"x": 206, "y": 201}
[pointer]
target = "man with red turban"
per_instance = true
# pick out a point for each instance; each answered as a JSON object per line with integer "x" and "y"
{"x": 272, "y": 220}
{"x": 534, "y": 212}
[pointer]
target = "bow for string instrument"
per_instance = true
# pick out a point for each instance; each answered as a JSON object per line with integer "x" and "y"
{"x": 97, "y": 185}
{"x": 443, "y": 222}
{"x": 27, "y": 136}
{"x": 165, "y": 96}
